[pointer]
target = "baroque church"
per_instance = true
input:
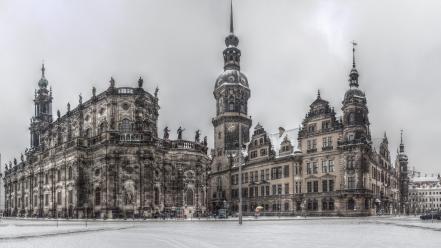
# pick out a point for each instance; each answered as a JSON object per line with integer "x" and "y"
{"x": 104, "y": 159}
{"x": 331, "y": 165}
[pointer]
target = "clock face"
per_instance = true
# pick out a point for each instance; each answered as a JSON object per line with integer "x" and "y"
{"x": 231, "y": 127}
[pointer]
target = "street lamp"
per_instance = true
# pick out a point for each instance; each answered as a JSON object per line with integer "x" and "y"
{"x": 239, "y": 153}
{"x": 86, "y": 206}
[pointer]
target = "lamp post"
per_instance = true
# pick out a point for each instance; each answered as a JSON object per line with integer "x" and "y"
{"x": 239, "y": 154}
{"x": 86, "y": 206}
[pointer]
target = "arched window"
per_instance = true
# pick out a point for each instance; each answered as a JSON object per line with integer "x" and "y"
{"x": 102, "y": 128}
{"x": 189, "y": 197}
{"x": 156, "y": 196}
{"x": 125, "y": 126}
{"x": 351, "y": 204}
{"x": 88, "y": 133}
{"x": 97, "y": 196}
{"x": 231, "y": 107}
{"x": 69, "y": 173}
{"x": 58, "y": 175}
{"x": 351, "y": 118}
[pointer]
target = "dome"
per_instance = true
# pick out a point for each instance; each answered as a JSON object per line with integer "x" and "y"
{"x": 354, "y": 93}
{"x": 42, "y": 83}
{"x": 232, "y": 77}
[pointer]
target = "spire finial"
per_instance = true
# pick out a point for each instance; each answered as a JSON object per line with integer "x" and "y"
{"x": 231, "y": 17}
{"x": 42, "y": 70}
{"x": 401, "y": 142}
{"x": 318, "y": 94}
{"x": 353, "y": 53}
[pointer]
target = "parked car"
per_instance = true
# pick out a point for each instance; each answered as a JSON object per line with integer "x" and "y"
{"x": 431, "y": 215}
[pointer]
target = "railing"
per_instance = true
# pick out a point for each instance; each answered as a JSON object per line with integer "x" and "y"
{"x": 311, "y": 150}
{"x": 327, "y": 148}
{"x": 125, "y": 91}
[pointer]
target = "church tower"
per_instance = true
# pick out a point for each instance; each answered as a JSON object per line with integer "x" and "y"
{"x": 231, "y": 92}
{"x": 404, "y": 178}
{"x": 355, "y": 110}
{"x": 42, "y": 110}
{"x": 355, "y": 144}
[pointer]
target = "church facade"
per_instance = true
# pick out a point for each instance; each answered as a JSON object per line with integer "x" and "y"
{"x": 104, "y": 159}
{"x": 331, "y": 165}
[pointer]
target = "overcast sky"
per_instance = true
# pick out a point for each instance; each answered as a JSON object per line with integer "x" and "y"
{"x": 289, "y": 50}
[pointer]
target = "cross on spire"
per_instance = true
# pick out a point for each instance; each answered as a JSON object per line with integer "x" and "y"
{"x": 353, "y": 53}
{"x": 231, "y": 17}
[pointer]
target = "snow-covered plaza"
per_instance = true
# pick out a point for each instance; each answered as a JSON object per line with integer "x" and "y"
{"x": 311, "y": 232}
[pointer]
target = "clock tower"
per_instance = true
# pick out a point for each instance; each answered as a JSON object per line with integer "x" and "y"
{"x": 231, "y": 92}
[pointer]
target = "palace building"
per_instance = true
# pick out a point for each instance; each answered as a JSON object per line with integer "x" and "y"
{"x": 104, "y": 159}
{"x": 330, "y": 166}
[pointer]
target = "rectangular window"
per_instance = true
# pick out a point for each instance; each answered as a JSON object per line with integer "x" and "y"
{"x": 351, "y": 182}
{"x": 324, "y": 166}
{"x": 267, "y": 174}
{"x": 262, "y": 175}
{"x": 246, "y": 177}
{"x": 331, "y": 185}
{"x": 35, "y": 200}
{"x": 251, "y": 192}
{"x": 309, "y": 187}
{"x": 314, "y": 167}
{"x": 262, "y": 190}
{"x": 267, "y": 190}
{"x": 309, "y": 144}
{"x": 331, "y": 165}
{"x": 46, "y": 199}
{"x": 274, "y": 189}
{"x": 286, "y": 171}
{"x": 59, "y": 198}
{"x": 279, "y": 189}
{"x": 314, "y": 144}
{"x": 315, "y": 186}
{"x": 308, "y": 168}
{"x": 325, "y": 186}
{"x": 286, "y": 188}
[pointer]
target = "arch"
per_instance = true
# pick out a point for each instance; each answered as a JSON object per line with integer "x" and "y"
{"x": 125, "y": 126}
{"x": 101, "y": 128}
{"x": 351, "y": 204}
{"x": 98, "y": 196}
{"x": 70, "y": 172}
{"x": 156, "y": 196}
{"x": 189, "y": 197}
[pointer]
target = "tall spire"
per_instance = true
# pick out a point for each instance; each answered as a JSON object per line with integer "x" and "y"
{"x": 353, "y": 75}
{"x": 353, "y": 53}
{"x": 401, "y": 142}
{"x": 42, "y": 70}
{"x": 231, "y": 53}
{"x": 43, "y": 81}
{"x": 231, "y": 18}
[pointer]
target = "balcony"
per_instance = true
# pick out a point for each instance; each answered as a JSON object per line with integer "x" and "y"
{"x": 311, "y": 150}
{"x": 327, "y": 148}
